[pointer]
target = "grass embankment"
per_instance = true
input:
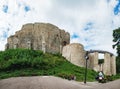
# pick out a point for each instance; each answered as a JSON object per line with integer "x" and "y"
{"x": 24, "y": 62}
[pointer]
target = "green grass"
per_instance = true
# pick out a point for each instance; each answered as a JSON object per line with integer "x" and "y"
{"x": 114, "y": 77}
{"x": 24, "y": 62}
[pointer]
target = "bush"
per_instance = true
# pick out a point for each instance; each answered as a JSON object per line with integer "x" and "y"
{"x": 67, "y": 76}
{"x": 109, "y": 78}
{"x": 118, "y": 64}
{"x": 13, "y": 59}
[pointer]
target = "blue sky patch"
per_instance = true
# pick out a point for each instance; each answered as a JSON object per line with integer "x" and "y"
{"x": 88, "y": 26}
{"x": 27, "y": 8}
{"x": 86, "y": 39}
{"x": 5, "y": 8}
{"x": 117, "y": 8}
{"x": 8, "y": 29}
{"x": 5, "y": 34}
{"x": 74, "y": 36}
{"x": 108, "y": 1}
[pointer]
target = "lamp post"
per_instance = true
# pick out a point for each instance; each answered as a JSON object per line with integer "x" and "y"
{"x": 86, "y": 59}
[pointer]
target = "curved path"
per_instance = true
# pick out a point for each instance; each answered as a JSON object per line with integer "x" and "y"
{"x": 50, "y": 82}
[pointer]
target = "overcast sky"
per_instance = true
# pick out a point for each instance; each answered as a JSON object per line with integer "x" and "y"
{"x": 90, "y": 22}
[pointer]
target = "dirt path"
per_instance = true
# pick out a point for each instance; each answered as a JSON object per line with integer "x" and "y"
{"x": 50, "y": 82}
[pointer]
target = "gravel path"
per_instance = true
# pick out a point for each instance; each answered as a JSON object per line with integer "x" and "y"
{"x": 50, "y": 82}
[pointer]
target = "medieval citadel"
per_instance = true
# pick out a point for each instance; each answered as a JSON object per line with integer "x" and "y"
{"x": 49, "y": 38}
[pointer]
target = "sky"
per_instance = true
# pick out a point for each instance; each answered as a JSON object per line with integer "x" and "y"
{"x": 89, "y": 22}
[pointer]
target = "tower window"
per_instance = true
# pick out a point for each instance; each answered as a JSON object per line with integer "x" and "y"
{"x": 64, "y": 43}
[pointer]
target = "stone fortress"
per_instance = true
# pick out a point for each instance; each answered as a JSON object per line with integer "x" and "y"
{"x": 39, "y": 36}
{"x": 49, "y": 38}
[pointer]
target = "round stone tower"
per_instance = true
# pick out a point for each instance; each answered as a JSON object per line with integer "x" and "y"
{"x": 74, "y": 53}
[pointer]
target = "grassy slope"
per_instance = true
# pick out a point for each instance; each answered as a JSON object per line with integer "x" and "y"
{"x": 24, "y": 62}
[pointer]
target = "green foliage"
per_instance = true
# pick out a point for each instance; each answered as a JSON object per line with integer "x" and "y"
{"x": 118, "y": 50}
{"x": 116, "y": 39}
{"x": 118, "y": 64}
{"x": 116, "y": 76}
{"x": 20, "y": 58}
{"x": 25, "y": 62}
{"x": 112, "y": 78}
{"x": 116, "y": 34}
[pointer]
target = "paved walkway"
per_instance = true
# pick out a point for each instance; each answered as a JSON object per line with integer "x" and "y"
{"x": 50, "y": 82}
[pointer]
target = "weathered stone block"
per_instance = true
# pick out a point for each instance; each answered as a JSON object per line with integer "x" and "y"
{"x": 93, "y": 61}
{"x": 107, "y": 64}
{"x": 113, "y": 65}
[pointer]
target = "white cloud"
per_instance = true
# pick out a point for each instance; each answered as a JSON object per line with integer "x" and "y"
{"x": 71, "y": 15}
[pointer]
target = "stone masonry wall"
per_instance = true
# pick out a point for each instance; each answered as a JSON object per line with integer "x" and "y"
{"x": 39, "y": 36}
{"x": 74, "y": 53}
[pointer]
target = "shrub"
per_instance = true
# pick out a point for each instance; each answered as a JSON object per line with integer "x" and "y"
{"x": 67, "y": 76}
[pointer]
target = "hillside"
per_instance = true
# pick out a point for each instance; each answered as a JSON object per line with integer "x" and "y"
{"x": 25, "y": 62}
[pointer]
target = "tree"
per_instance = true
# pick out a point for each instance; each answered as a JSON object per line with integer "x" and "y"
{"x": 116, "y": 39}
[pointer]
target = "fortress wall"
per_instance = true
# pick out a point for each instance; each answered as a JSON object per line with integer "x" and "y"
{"x": 39, "y": 36}
{"x": 74, "y": 53}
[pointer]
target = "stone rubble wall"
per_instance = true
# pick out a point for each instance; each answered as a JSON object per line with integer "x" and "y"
{"x": 113, "y": 65}
{"x": 108, "y": 67}
{"x": 39, "y": 36}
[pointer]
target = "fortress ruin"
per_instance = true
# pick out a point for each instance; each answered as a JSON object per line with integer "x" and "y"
{"x": 109, "y": 65}
{"x": 49, "y": 38}
{"x": 39, "y": 36}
